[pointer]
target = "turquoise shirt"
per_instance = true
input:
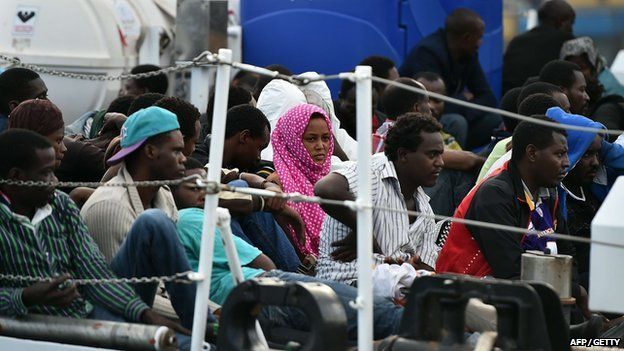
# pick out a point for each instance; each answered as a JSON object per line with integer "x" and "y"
{"x": 189, "y": 224}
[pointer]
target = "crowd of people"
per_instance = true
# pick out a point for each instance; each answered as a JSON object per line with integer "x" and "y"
{"x": 428, "y": 156}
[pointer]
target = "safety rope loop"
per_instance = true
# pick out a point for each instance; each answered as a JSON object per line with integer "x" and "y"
{"x": 497, "y": 110}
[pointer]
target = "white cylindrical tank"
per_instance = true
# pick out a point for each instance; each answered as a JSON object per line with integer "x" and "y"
{"x": 82, "y": 36}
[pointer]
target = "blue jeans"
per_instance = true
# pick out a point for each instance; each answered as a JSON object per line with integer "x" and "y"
{"x": 152, "y": 248}
{"x": 102, "y": 314}
{"x": 455, "y": 125}
{"x": 262, "y": 231}
{"x": 386, "y": 320}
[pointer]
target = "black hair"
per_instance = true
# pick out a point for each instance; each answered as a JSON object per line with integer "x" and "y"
{"x": 121, "y": 104}
{"x": 246, "y": 117}
{"x": 345, "y": 86}
{"x": 18, "y": 148}
{"x": 406, "y": 133}
{"x": 187, "y": 114}
{"x": 427, "y": 75}
{"x": 156, "y": 84}
{"x": 560, "y": 73}
{"x": 537, "y": 104}
{"x": 264, "y": 80}
{"x": 144, "y": 101}
{"x": 554, "y": 11}
{"x": 461, "y": 21}
{"x": 192, "y": 163}
{"x": 237, "y": 96}
{"x": 380, "y": 65}
{"x": 538, "y": 88}
{"x": 13, "y": 85}
{"x": 529, "y": 133}
{"x": 509, "y": 103}
{"x": 396, "y": 101}
{"x": 245, "y": 79}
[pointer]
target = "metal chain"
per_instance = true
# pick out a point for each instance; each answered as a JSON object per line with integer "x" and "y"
{"x": 144, "y": 183}
{"x": 205, "y": 57}
{"x": 188, "y": 277}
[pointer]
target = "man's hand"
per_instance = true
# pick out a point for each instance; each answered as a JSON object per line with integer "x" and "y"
{"x": 54, "y": 293}
{"x": 414, "y": 261}
{"x": 153, "y": 318}
{"x": 290, "y": 217}
{"x": 346, "y": 249}
{"x": 273, "y": 204}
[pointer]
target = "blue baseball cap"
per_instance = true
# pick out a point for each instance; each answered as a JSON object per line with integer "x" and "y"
{"x": 140, "y": 126}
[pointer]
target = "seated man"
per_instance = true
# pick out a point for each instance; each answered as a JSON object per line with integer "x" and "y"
{"x": 456, "y": 178}
{"x": 582, "y": 204}
{"x": 511, "y": 197}
{"x": 247, "y": 133}
{"x": 451, "y": 52}
{"x": 17, "y": 85}
{"x": 152, "y": 146}
{"x": 254, "y": 263}
{"x": 412, "y": 160}
{"x": 156, "y": 84}
{"x": 531, "y": 107}
{"x": 43, "y": 235}
{"x": 453, "y": 123}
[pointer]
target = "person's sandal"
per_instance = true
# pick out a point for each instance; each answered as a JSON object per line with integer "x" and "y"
{"x": 308, "y": 266}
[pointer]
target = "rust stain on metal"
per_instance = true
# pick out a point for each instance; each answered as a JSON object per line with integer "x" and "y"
{"x": 96, "y": 325}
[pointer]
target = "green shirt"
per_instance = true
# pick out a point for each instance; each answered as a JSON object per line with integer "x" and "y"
{"x": 190, "y": 222}
{"x": 499, "y": 150}
{"x": 54, "y": 242}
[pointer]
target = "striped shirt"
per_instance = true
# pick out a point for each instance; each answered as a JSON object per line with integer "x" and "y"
{"x": 397, "y": 237}
{"x": 54, "y": 242}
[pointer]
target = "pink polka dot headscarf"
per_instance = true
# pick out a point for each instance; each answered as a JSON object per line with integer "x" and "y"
{"x": 297, "y": 170}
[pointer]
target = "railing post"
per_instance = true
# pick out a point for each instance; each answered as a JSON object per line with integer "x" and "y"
{"x": 365, "y": 215}
{"x": 222, "y": 88}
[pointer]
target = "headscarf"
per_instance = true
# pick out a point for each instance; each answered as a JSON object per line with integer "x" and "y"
{"x": 297, "y": 170}
{"x": 39, "y": 116}
{"x": 583, "y": 45}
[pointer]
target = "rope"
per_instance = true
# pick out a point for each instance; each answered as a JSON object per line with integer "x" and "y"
{"x": 497, "y": 110}
{"x": 296, "y": 197}
{"x": 215, "y": 188}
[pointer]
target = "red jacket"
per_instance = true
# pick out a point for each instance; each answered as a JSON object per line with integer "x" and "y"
{"x": 479, "y": 251}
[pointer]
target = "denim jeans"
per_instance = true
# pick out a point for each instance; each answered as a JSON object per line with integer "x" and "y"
{"x": 386, "y": 320}
{"x": 262, "y": 231}
{"x": 152, "y": 248}
{"x": 455, "y": 125}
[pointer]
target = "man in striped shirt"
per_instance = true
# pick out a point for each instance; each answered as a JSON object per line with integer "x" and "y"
{"x": 43, "y": 235}
{"x": 412, "y": 159}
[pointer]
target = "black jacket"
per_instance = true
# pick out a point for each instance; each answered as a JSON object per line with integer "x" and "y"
{"x": 527, "y": 53}
{"x": 432, "y": 54}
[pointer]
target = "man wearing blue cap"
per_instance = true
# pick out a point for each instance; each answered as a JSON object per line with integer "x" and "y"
{"x": 151, "y": 149}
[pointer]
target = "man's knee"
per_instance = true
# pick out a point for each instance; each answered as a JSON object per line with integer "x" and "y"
{"x": 155, "y": 223}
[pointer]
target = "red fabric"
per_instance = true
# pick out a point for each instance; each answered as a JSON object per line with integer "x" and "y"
{"x": 461, "y": 253}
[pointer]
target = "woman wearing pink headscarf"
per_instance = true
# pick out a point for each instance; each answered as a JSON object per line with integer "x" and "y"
{"x": 302, "y": 145}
